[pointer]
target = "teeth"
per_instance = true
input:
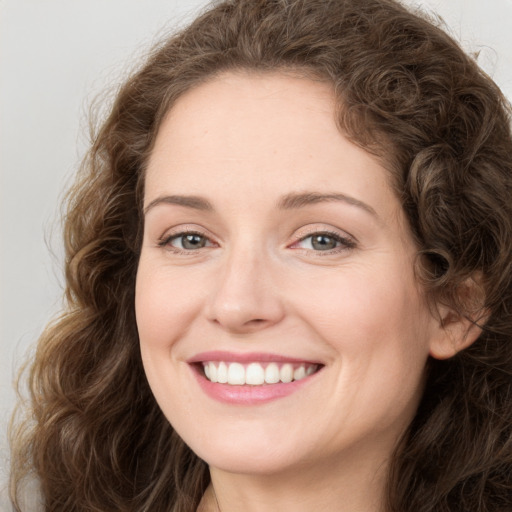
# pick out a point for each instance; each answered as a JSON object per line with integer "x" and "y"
{"x": 236, "y": 374}
{"x": 222, "y": 373}
{"x": 310, "y": 369}
{"x": 255, "y": 374}
{"x": 299, "y": 373}
{"x": 286, "y": 372}
{"x": 272, "y": 373}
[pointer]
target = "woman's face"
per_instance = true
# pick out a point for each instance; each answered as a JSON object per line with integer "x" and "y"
{"x": 275, "y": 249}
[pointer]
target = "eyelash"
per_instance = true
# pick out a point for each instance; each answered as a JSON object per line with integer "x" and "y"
{"x": 165, "y": 242}
{"x": 345, "y": 243}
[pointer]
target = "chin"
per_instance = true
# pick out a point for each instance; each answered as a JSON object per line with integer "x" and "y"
{"x": 246, "y": 455}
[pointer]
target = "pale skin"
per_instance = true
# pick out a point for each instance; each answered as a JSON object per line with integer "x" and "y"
{"x": 301, "y": 249}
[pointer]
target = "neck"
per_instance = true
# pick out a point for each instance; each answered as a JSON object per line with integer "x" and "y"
{"x": 340, "y": 487}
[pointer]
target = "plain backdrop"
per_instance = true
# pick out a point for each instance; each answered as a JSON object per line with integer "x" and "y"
{"x": 56, "y": 56}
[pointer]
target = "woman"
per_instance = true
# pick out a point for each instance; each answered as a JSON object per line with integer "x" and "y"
{"x": 289, "y": 276}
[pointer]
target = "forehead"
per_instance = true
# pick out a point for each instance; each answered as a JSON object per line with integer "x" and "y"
{"x": 263, "y": 134}
{"x": 249, "y": 108}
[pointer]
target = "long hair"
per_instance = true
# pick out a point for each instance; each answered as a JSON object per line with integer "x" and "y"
{"x": 95, "y": 438}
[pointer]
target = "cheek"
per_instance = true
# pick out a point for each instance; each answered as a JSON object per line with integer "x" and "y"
{"x": 377, "y": 324}
{"x": 378, "y": 333}
{"x": 165, "y": 302}
{"x": 363, "y": 301}
{"x": 164, "y": 306}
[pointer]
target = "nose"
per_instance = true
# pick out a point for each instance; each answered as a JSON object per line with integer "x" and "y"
{"x": 246, "y": 297}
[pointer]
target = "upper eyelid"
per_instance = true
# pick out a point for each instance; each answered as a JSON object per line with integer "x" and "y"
{"x": 166, "y": 240}
{"x": 186, "y": 229}
{"x": 313, "y": 229}
{"x": 177, "y": 234}
{"x": 332, "y": 234}
{"x": 344, "y": 241}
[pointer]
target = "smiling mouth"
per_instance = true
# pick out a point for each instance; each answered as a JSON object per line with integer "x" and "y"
{"x": 256, "y": 373}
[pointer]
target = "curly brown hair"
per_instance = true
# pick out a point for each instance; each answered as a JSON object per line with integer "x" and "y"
{"x": 96, "y": 440}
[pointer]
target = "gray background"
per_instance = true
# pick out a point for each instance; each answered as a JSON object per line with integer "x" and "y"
{"x": 55, "y": 57}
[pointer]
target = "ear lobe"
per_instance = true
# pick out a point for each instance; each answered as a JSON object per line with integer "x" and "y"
{"x": 455, "y": 333}
{"x": 458, "y": 330}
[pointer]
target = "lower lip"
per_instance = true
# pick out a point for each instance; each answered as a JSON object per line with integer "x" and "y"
{"x": 247, "y": 394}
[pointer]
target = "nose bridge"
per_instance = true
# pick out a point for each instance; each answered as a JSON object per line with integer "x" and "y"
{"x": 245, "y": 297}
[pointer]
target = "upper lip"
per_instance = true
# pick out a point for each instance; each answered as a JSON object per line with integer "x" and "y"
{"x": 248, "y": 357}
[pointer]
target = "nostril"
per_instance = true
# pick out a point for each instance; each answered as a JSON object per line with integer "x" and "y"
{"x": 256, "y": 322}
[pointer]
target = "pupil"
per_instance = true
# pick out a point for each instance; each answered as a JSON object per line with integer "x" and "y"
{"x": 323, "y": 242}
{"x": 193, "y": 241}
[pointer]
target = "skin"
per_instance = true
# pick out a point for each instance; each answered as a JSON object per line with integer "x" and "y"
{"x": 243, "y": 142}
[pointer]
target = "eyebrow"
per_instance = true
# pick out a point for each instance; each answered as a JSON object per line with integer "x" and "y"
{"x": 292, "y": 201}
{"x": 288, "y": 202}
{"x": 195, "y": 202}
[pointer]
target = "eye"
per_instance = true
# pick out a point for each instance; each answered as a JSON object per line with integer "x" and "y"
{"x": 324, "y": 241}
{"x": 186, "y": 241}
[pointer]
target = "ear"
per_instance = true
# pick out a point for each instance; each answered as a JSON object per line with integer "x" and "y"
{"x": 457, "y": 330}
